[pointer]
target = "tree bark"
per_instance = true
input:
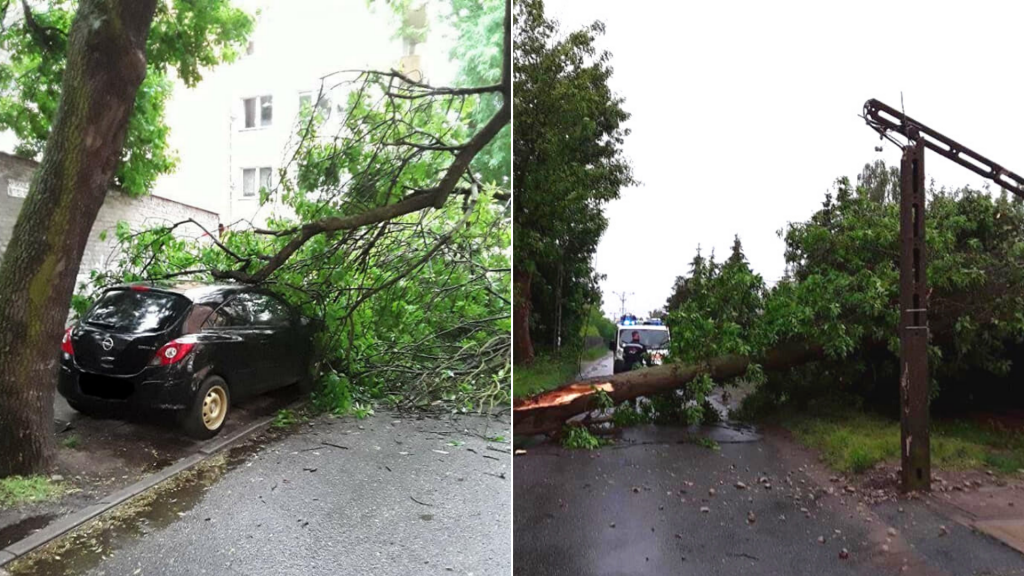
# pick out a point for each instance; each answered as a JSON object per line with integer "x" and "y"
{"x": 106, "y": 63}
{"x": 548, "y": 411}
{"x": 522, "y": 345}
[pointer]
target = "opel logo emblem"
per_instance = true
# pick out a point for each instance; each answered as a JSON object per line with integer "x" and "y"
{"x": 108, "y": 343}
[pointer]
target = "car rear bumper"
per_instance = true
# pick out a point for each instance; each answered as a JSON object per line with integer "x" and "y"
{"x": 153, "y": 388}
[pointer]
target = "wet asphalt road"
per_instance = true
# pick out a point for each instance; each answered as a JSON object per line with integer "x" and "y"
{"x": 600, "y": 367}
{"x": 393, "y": 495}
{"x": 636, "y": 508}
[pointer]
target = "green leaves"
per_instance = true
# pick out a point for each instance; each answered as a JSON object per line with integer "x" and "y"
{"x": 842, "y": 292}
{"x": 187, "y": 37}
{"x": 569, "y": 130}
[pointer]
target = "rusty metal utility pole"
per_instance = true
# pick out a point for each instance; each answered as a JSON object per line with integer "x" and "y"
{"x": 914, "y": 443}
{"x": 915, "y": 455}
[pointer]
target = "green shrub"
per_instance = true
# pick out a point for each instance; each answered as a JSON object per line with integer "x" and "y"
{"x": 579, "y": 438}
{"x": 284, "y": 418}
{"x": 333, "y": 394}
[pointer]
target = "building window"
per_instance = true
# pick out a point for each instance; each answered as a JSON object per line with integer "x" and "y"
{"x": 408, "y": 46}
{"x": 250, "y": 112}
{"x": 265, "y": 178}
{"x": 266, "y": 111}
{"x": 249, "y": 182}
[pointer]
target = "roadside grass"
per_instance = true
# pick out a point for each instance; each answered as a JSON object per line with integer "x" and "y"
{"x": 545, "y": 373}
{"x": 71, "y": 442}
{"x": 855, "y": 442}
{"x": 16, "y": 490}
{"x": 549, "y": 372}
{"x": 591, "y": 354}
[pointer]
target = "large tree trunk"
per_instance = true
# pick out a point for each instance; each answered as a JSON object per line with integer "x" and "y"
{"x": 106, "y": 63}
{"x": 522, "y": 346}
{"x": 548, "y": 411}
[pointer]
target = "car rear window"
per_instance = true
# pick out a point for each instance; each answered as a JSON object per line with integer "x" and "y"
{"x": 132, "y": 311}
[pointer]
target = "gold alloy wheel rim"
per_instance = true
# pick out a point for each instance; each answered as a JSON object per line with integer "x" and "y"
{"x": 215, "y": 408}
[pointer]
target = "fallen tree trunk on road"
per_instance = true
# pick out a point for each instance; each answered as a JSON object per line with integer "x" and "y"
{"x": 548, "y": 411}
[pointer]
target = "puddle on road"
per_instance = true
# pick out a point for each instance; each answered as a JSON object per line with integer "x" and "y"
{"x": 11, "y": 534}
{"x": 87, "y": 546}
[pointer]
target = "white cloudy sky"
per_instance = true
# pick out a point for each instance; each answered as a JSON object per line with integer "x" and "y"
{"x": 744, "y": 113}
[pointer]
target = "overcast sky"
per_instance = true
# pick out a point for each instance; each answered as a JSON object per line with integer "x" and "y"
{"x": 744, "y": 113}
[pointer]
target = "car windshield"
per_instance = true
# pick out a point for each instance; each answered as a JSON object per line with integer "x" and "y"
{"x": 652, "y": 339}
{"x": 133, "y": 311}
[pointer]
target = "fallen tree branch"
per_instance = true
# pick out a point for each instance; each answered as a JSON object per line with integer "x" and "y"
{"x": 548, "y": 411}
{"x": 434, "y": 197}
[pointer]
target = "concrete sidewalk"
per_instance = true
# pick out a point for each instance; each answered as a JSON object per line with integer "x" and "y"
{"x": 108, "y": 455}
{"x": 387, "y": 495}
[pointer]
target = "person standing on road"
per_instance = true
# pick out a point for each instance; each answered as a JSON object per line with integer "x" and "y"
{"x": 633, "y": 352}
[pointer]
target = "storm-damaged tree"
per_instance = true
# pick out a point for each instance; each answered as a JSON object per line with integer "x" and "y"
{"x": 401, "y": 152}
{"x": 569, "y": 163}
{"x": 71, "y": 78}
{"x": 829, "y": 329}
{"x": 379, "y": 227}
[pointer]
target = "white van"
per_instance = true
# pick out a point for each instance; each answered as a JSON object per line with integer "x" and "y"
{"x": 653, "y": 335}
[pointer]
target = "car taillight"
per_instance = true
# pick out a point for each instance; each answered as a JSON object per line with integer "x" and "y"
{"x": 173, "y": 351}
{"x": 65, "y": 344}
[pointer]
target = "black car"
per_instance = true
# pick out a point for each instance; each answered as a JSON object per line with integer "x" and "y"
{"x": 192, "y": 349}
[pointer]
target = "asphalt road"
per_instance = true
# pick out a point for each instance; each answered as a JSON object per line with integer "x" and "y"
{"x": 386, "y": 495}
{"x": 644, "y": 506}
{"x": 600, "y": 367}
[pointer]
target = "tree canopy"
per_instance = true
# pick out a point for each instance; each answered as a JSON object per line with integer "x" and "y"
{"x": 479, "y": 24}
{"x": 842, "y": 291}
{"x": 569, "y": 133}
{"x": 187, "y": 38}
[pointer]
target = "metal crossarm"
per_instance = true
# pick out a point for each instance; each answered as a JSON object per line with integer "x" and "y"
{"x": 884, "y": 118}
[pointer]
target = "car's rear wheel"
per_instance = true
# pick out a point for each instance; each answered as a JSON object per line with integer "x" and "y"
{"x": 209, "y": 409}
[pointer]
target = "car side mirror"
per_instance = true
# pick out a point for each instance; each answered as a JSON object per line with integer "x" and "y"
{"x": 611, "y": 345}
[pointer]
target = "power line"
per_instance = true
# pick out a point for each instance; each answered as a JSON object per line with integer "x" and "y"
{"x": 622, "y": 298}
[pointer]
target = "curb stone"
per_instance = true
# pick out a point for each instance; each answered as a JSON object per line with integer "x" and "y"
{"x": 64, "y": 525}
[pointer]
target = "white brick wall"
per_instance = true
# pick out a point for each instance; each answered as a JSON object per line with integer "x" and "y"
{"x": 138, "y": 212}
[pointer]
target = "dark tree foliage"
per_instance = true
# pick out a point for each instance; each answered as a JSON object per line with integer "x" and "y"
{"x": 842, "y": 292}
{"x": 569, "y": 163}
